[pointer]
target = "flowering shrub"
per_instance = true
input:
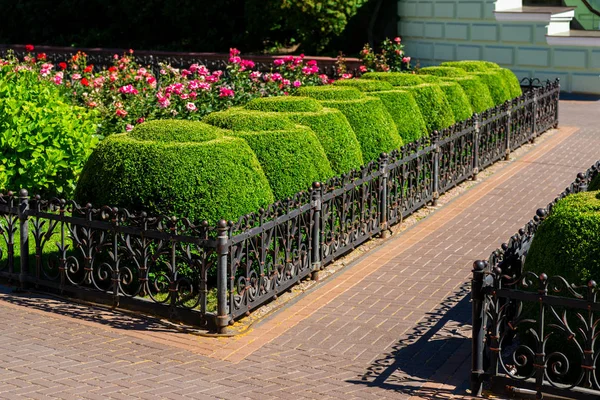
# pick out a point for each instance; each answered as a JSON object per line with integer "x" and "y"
{"x": 391, "y": 58}
{"x": 127, "y": 94}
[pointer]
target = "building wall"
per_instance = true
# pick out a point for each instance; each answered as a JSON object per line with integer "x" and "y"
{"x": 442, "y": 30}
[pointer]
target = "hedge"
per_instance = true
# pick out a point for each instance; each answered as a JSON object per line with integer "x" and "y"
{"x": 365, "y": 85}
{"x": 430, "y": 78}
{"x": 496, "y": 84}
{"x": 372, "y": 123}
{"x": 458, "y": 100}
{"x": 200, "y": 177}
{"x": 477, "y": 92}
{"x": 567, "y": 243}
{"x": 292, "y": 159}
{"x": 331, "y": 127}
{"x": 330, "y": 93}
{"x": 405, "y": 112}
{"x": 434, "y": 106}
{"x": 394, "y": 78}
{"x": 471, "y": 65}
{"x": 284, "y": 104}
{"x": 512, "y": 82}
{"x": 446, "y": 72}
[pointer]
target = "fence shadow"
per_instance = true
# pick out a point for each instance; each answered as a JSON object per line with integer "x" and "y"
{"x": 435, "y": 352}
{"x": 114, "y": 318}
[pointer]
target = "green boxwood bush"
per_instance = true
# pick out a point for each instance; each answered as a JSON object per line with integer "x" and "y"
{"x": 394, "y": 78}
{"x": 512, "y": 82}
{"x": 471, "y": 65}
{"x": 372, "y": 123}
{"x": 496, "y": 84}
{"x": 182, "y": 168}
{"x": 331, "y": 127}
{"x": 446, "y": 72}
{"x": 365, "y": 85}
{"x": 284, "y": 104}
{"x": 567, "y": 243}
{"x": 291, "y": 159}
{"x": 405, "y": 112}
{"x": 434, "y": 106}
{"x": 44, "y": 140}
{"x": 430, "y": 78}
{"x": 477, "y": 92}
{"x": 459, "y": 101}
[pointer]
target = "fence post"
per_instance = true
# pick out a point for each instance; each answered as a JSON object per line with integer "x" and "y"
{"x": 557, "y": 102}
{"x": 478, "y": 333}
{"x": 534, "y": 112}
{"x": 316, "y": 203}
{"x": 477, "y": 118}
{"x": 222, "y": 252}
{"x": 508, "y": 107}
{"x": 383, "y": 206}
{"x": 23, "y": 235}
{"x": 436, "y": 168}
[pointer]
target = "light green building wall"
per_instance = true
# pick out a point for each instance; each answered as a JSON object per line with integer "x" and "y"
{"x": 442, "y": 30}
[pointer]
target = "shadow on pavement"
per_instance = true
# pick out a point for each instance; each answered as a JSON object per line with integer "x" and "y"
{"x": 436, "y": 352}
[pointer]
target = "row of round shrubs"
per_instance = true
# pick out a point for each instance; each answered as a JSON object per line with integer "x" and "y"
{"x": 239, "y": 160}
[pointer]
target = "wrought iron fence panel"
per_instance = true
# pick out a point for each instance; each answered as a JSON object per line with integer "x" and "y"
{"x": 456, "y": 149}
{"x": 9, "y": 225}
{"x": 521, "y": 122}
{"x": 270, "y": 257}
{"x": 546, "y": 115}
{"x": 350, "y": 211}
{"x": 492, "y": 136}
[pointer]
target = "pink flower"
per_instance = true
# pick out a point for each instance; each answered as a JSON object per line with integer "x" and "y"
{"x": 254, "y": 75}
{"x": 297, "y": 84}
{"x": 235, "y": 60}
{"x": 234, "y": 52}
{"x": 285, "y": 82}
{"x": 191, "y": 107}
{"x": 150, "y": 80}
{"x": 116, "y": 56}
{"x": 248, "y": 64}
{"x": 397, "y": 40}
{"x": 164, "y": 103}
{"x": 185, "y": 73}
{"x": 92, "y": 104}
{"x": 184, "y": 96}
{"x": 346, "y": 76}
{"x": 129, "y": 127}
{"x": 121, "y": 113}
{"x": 278, "y": 62}
{"x": 225, "y": 92}
{"x": 140, "y": 121}
{"x": 58, "y": 78}
{"x": 76, "y": 77}
{"x": 276, "y": 76}
{"x": 406, "y": 60}
{"x": 128, "y": 89}
{"x": 362, "y": 68}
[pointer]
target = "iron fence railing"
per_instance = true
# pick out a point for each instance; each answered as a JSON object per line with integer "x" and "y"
{"x": 534, "y": 333}
{"x": 211, "y": 275}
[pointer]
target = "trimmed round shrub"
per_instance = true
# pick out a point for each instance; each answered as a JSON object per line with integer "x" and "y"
{"x": 471, "y": 65}
{"x": 372, "y": 123}
{"x": 365, "y": 85}
{"x": 567, "y": 243}
{"x": 331, "y": 127}
{"x": 196, "y": 173}
{"x": 512, "y": 82}
{"x": 477, "y": 92}
{"x": 430, "y": 78}
{"x": 284, "y": 103}
{"x": 394, "y": 78}
{"x": 240, "y": 119}
{"x": 458, "y": 100}
{"x": 291, "y": 159}
{"x": 446, "y": 72}
{"x": 330, "y": 93}
{"x": 405, "y": 112}
{"x": 496, "y": 84}
{"x": 434, "y": 106}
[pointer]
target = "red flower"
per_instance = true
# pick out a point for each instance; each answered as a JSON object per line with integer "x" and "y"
{"x": 89, "y": 68}
{"x": 41, "y": 57}
{"x": 85, "y": 82}
{"x": 62, "y": 65}
{"x": 29, "y": 47}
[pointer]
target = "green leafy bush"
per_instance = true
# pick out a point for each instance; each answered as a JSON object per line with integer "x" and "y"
{"x": 471, "y": 65}
{"x": 373, "y": 125}
{"x": 292, "y": 159}
{"x": 459, "y": 102}
{"x": 394, "y": 78}
{"x": 190, "y": 169}
{"x": 512, "y": 82}
{"x": 365, "y": 85}
{"x": 331, "y": 127}
{"x": 44, "y": 141}
{"x": 434, "y": 106}
{"x": 405, "y": 112}
{"x": 497, "y": 86}
{"x": 446, "y": 72}
{"x": 430, "y": 78}
{"x": 285, "y": 104}
{"x": 477, "y": 92}
{"x": 567, "y": 243}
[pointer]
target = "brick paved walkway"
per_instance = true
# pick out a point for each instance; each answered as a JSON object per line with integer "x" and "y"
{"x": 395, "y": 324}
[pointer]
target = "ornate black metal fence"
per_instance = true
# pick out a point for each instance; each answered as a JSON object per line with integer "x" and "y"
{"x": 534, "y": 332}
{"x": 212, "y": 275}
